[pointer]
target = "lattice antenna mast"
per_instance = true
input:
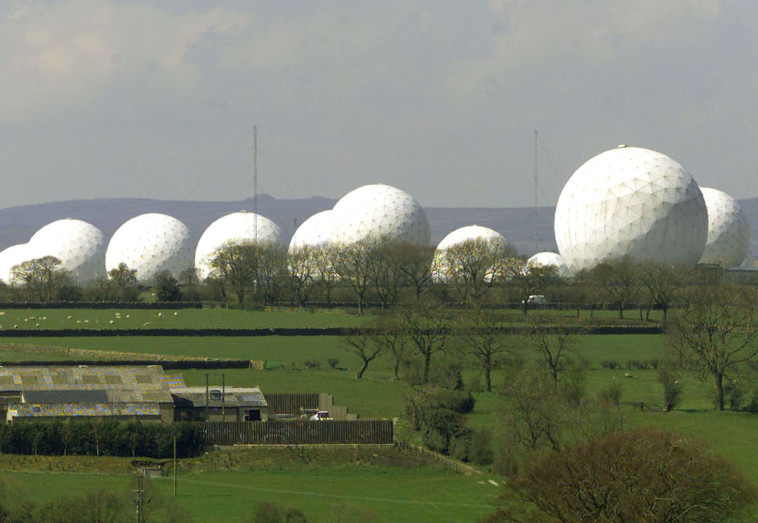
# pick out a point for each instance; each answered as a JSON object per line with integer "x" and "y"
{"x": 536, "y": 191}
{"x": 255, "y": 181}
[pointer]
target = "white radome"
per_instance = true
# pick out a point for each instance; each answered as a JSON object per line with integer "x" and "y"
{"x": 380, "y": 212}
{"x": 476, "y": 233}
{"x": 630, "y": 201}
{"x": 80, "y": 246}
{"x": 235, "y": 228}
{"x": 318, "y": 230}
{"x": 150, "y": 243}
{"x": 10, "y": 257}
{"x": 728, "y": 230}
{"x": 549, "y": 259}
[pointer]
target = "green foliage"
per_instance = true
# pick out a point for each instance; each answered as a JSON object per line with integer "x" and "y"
{"x": 642, "y": 474}
{"x": 268, "y": 512}
{"x": 166, "y": 287}
{"x": 102, "y": 438}
{"x": 611, "y": 394}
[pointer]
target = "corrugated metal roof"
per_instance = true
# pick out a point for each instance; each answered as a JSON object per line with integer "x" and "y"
{"x": 233, "y": 397}
{"x": 122, "y": 383}
{"x": 43, "y": 410}
{"x": 65, "y": 396}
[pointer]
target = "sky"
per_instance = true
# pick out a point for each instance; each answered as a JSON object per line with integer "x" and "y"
{"x": 116, "y": 99}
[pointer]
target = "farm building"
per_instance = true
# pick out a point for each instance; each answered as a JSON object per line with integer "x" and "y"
{"x": 121, "y": 392}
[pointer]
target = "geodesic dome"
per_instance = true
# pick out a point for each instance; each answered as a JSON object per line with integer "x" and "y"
{"x": 471, "y": 233}
{"x": 380, "y": 212}
{"x": 235, "y": 228}
{"x": 150, "y": 243}
{"x": 319, "y": 229}
{"x": 630, "y": 201}
{"x": 12, "y": 256}
{"x": 549, "y": 259}
{"x": 80, "y": 246}
{"x": 728, "y": 230}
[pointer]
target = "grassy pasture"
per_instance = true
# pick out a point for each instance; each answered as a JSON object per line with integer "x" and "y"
{"x": 173, "y": 319}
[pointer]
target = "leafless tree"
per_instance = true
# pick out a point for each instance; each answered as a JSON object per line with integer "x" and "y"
{"x": 484, "y": 338}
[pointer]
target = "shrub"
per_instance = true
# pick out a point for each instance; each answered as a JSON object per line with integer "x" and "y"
{"x": 333, "y": 362}
{"x": 734, "y": 394}
{"x": 610, "y": 364}
{"x": 312, "y": 364}
{"x": 611, "y": 394}
{"x": 672, "y": 391}
{"x": 268, "y": 512}
{"x": 644, "y": 474}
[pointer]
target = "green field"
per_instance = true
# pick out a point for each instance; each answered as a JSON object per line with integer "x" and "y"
{"x": 389, "y": 493}
{"x": 173, "y": 319}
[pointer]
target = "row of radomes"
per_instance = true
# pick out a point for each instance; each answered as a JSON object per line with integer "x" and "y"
{"x": 626, "y": 201}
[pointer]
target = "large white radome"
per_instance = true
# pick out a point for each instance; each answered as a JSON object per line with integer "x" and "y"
{"x": 317, "y": 231}
{"x": 150, "y": 243}
{"x": 441, "y": 269}
{"x": 630, "y": 201}
{"x": 728, "y": 230}
{"x": 235, "y": 228}
{"x": 80, "y": 246}
{"x": 549, "y": 259}
{"x": 12, "y": 256}
{"x": 380, "y": 212}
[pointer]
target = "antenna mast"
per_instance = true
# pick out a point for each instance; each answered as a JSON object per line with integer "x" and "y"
{"x": 255, "y": 181}
{"x": 536, "y": 185}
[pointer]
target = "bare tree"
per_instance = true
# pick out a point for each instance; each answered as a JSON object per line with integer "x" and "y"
{"x": 485, "y": 339}
{"x": 303, "y": 271}
{"x": 427, "y": 332}
{"x": 715, "y": 333}
{"x": 388, "y": 333}
{"x": 618, "y": 280}
{"x": 528, "y": 279}
{"x": 365, "y": 346}
{"x": 662, "y": 282}
{"x": 552, "y": 345}
{"x": 415, "y": 265}
{"x": 353, "y": 264}
{"x": 234, "y": 265}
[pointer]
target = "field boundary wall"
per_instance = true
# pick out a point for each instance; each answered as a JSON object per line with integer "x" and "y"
{"x": 299, "y": 432}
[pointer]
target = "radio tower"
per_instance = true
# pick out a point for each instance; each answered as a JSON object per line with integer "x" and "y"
{"x": 536, "y": 201}
{"x": 255, "y": 182}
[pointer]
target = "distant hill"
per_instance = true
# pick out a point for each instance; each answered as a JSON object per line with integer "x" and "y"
{"x": 18, "y": 224}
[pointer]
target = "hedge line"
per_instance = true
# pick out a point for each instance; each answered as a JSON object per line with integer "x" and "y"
{"x": 286, "y": 331}
{"x": 103, "y": 305}
{"x": 101, "y": 438}
{"x": 210, "y": 364}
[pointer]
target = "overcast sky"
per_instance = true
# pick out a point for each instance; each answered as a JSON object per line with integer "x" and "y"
{"x": 440, "y": 97}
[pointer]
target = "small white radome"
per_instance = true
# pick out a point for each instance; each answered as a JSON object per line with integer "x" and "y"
{"x": 728, "y": 230}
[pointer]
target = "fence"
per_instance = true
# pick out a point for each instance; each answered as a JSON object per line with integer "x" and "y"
{"x": 291, "y": 403}
{"x": 298, "y": 432}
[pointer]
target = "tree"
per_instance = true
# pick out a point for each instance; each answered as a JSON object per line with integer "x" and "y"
{"x": 270, "y": 272}
{"x": 303, "y": 271}
{"x": 551, "y": 344}
{"x": 166, "y": 287}
{"x": 469, "y": 269}
{"x": 529, "y": 279}
{"x": 642, "y": 474}
{"x": 389, "y": 335}
{"x": 662, "y": 283}
{"x": 353, "y": 264}
{"x": 715, "y": 333}
{"x": 427, "y": 333}
{"x": 43, "y": 277}
{"x": 618, "y": 280}
{"x": 415, "y": 264}
{"x": 385, "y": 272}
{"x": 235, "y": 264}
{"x": 484, "y": 338}
{"x": 123, "y": 283}
{"x": 365, "y": 347}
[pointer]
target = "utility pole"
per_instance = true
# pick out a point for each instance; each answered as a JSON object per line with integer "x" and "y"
{"x": 223, "y": 393}
{"x": 174, "y": 466}
{"x": 139, "y": 498}
{"x": 207, "y": 399}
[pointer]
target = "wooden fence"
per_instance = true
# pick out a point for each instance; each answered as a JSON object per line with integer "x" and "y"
{"x": 290, "y": 403}
{"x": 299, "y": 432}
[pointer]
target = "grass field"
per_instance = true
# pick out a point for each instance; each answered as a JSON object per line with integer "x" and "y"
{"x": 173, "y": 319}
{"x": 389, "y": 493}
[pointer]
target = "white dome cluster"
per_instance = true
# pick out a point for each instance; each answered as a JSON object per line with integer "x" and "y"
{"x": 549, "y": 259}
{"x": 630, "y": 201}
{"x": 380, "y": 212}
{"x": 484, "y": 236}
{"x": 728, "y": 231}
{"x": 150, "y": 243}
{"x": 10, "y": 257}
{"x": 235, "y": 228}
{"x": 80, "y": 246}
